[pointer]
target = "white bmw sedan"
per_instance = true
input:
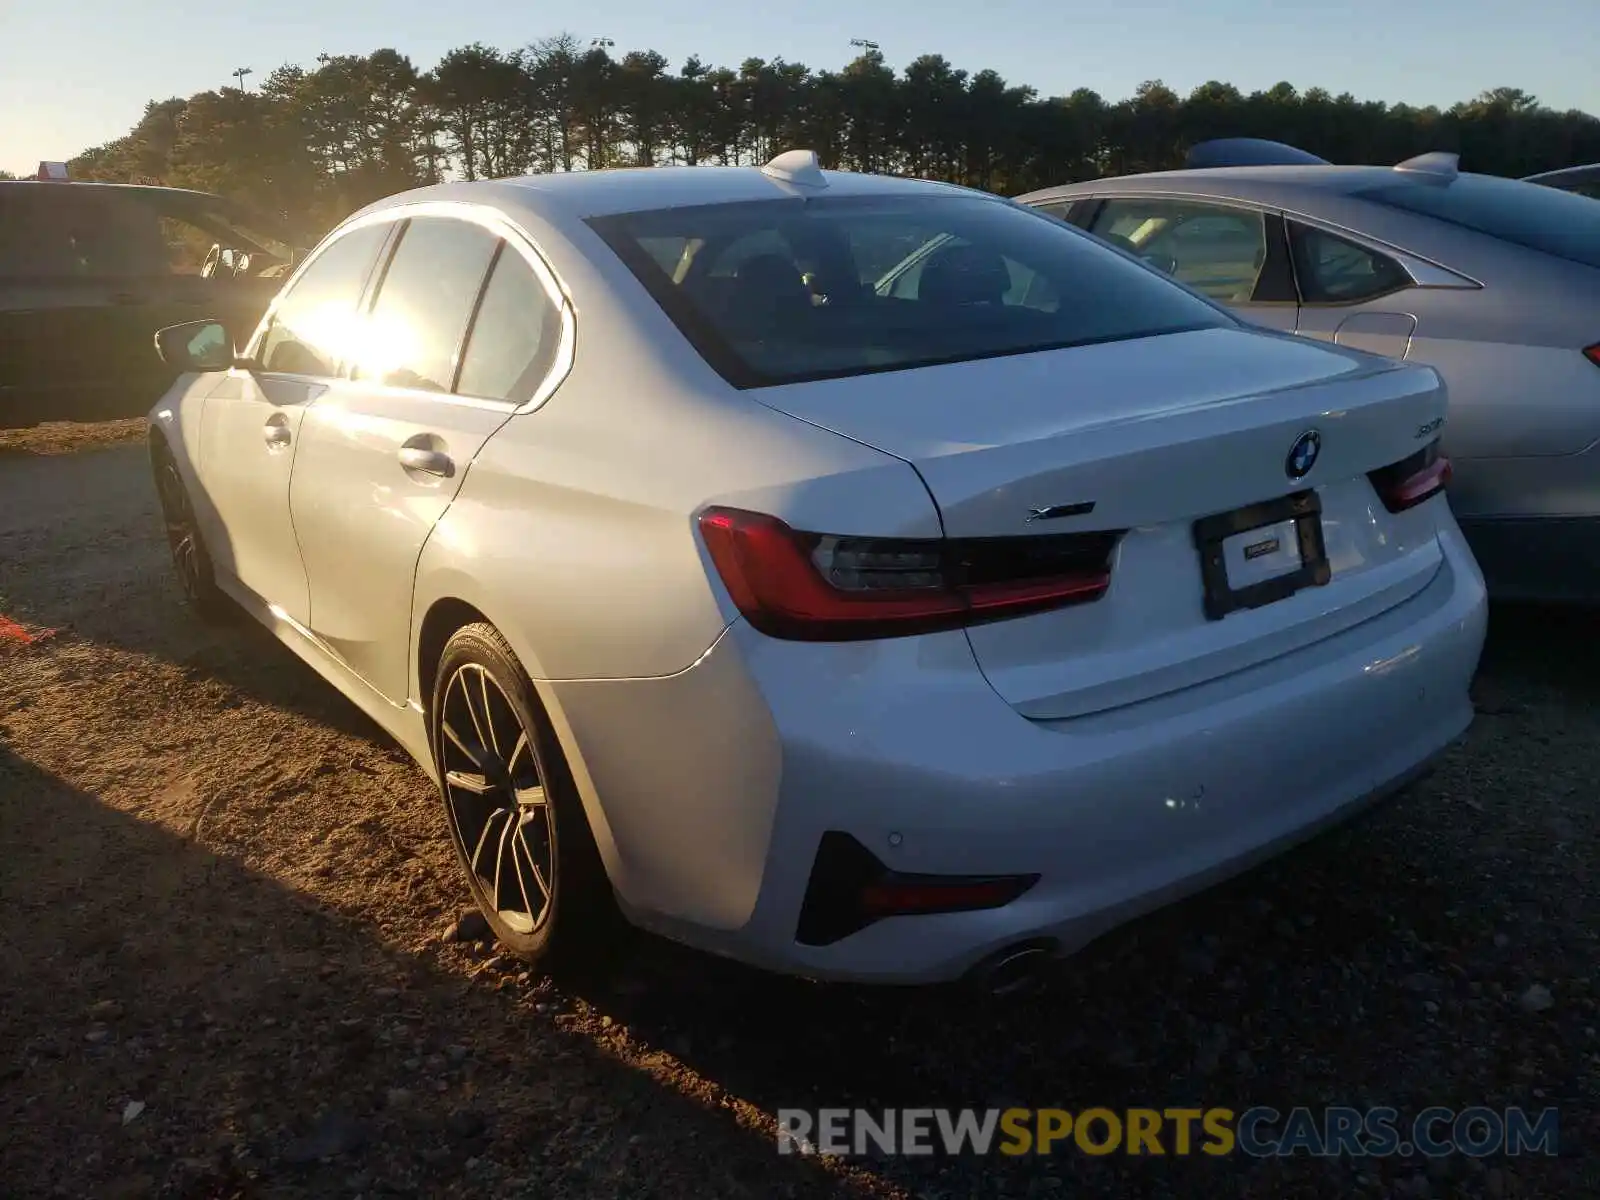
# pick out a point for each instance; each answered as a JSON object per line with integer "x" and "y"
{"x": 860, "y": 577}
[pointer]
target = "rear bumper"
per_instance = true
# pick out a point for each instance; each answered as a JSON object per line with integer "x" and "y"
{"x": 903, "y": 746}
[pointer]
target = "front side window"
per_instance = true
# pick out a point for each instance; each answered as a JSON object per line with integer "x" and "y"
{"x": 1525, "y": 214}
{"x": 314, "y": 327}
{"x": 1217, "y": 250}
{"x": 414, "y": 331}
{"x": 187, "y": 246}
{"x": 1332, "y": 270}
{"x": 784, "y": 290}
{"x": 514, "y": 336}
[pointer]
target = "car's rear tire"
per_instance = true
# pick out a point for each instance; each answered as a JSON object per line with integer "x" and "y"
{"x": 190, "y": 559}
{"x": 513, "y": 812}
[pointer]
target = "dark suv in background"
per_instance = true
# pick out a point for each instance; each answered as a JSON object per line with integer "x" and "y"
{"x": 90, "y": 271}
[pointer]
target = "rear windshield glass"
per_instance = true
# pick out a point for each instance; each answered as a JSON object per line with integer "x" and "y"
{"x": 779, "y": 291}
{"x": 1525, "y": 214}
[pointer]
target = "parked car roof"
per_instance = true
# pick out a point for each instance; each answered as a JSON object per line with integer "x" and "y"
{"x": 584, "y": 194}
{"x": 178, "y": 202}
{"x": 1249, "y": 181}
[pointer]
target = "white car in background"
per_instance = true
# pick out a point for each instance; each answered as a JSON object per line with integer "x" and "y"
{"x": 896, "y": 632}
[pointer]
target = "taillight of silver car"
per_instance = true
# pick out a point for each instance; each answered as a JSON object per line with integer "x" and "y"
{"x": 820, "y": 587}
{"x": 1412, "y": 480}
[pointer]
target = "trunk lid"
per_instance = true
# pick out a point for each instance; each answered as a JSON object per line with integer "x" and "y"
{"x": 1156, "y": 434}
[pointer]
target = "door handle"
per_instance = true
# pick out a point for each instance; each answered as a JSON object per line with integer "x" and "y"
{"x": 276, "y": 435}
{"x": 428, "y": 462}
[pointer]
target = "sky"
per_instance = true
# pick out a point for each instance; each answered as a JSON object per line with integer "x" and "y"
{"x": 76, "y": 73}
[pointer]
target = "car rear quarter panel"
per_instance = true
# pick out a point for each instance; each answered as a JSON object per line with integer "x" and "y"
{"x": 574, "y": 533}
{"x": 576, "y": 524}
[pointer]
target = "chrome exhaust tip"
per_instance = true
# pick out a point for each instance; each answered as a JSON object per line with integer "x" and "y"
{"x": 1013, "y": 970}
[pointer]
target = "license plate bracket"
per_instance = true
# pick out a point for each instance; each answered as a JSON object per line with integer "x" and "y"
{"x": 1304, "y": 510}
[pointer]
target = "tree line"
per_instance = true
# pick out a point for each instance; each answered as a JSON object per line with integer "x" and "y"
{"x": 314, "y": 144}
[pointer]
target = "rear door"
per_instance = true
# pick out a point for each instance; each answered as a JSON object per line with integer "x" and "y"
{"x": 154, "y": 289}
{"x": 1351, "y": 294}
{"x": 68, "y": 297}
{"x": 1233, "y": 253}
{"x": 463, "y": 329}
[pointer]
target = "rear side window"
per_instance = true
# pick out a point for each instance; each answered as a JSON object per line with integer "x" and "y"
{"x": 1332, "y": 270}
{"x": 417, "y": 323}
{"x": 65, "y": 232}
{"x": 779, "y": 291}
{"x": 312, "y": 331}
{"x": 1525, "y": 214}
{"x": 514, "y": 335}
{"x": 29, "y": 249}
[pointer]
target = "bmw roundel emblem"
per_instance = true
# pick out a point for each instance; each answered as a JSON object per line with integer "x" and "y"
{"x": 1303, "y": 454}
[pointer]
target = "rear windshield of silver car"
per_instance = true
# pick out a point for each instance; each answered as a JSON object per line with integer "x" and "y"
{"x": 785, "y": 290}
{"x": 1525, "y": 214}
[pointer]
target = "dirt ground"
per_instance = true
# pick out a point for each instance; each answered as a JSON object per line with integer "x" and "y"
{"x": 226, "y": 967}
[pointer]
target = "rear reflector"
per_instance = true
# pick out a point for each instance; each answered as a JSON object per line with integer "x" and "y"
{"x": 820, "y": 587}
{"x": 893, "y": 897}
{"x": 850, "y": 888}
{"x": 1412, "y": 480}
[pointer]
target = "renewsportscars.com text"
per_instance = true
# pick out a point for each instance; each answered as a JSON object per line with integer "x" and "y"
{"x": 1259, "y": 1132}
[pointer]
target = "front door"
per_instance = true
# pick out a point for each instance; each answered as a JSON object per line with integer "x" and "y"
{"x": 248, "y": 435}
{"x": 1232, "y": 253}
{"x": 251, "y": 426}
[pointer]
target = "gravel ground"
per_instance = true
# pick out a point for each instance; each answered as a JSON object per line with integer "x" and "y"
{"x": 66, "y": 437}
{"x": 227, "y": 966}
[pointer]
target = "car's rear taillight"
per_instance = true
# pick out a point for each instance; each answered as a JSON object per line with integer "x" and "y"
{"x": 1592, "y": 353}
{"x": 820, "y": 587}
{"x": 1413, "y": 479}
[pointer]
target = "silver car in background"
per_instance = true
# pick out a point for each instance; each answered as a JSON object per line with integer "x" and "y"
{"x": 1584, "y": 180}
{"x": 1495, "y": 282}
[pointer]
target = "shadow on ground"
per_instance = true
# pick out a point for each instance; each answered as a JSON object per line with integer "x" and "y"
{"x": 278, "y": 1050}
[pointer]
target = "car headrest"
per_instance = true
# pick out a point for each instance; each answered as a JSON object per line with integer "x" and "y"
{"x": 768, "y": 284}
{"x": 964, "y": 275}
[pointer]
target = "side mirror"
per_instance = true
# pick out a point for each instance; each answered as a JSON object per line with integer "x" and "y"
{"x": 196, "y": 346}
